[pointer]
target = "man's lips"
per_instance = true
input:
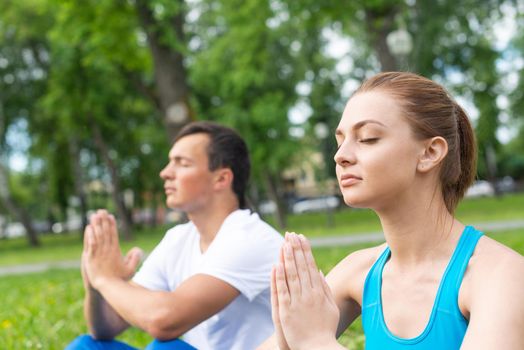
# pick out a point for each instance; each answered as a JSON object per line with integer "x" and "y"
{"x": 349, "y": 180}
{"x": 169, "y": 190}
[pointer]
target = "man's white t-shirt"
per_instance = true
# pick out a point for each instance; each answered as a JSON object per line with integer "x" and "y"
{"x": 242, "y": 254}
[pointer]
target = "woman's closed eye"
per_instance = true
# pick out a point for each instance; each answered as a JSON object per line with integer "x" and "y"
{"x": 368, "y": 140}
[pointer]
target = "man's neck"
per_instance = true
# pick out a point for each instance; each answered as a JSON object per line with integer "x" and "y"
{"x": 209, "y": 220}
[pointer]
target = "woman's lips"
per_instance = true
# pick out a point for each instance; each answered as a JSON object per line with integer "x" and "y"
{"x": 349, "y": 180}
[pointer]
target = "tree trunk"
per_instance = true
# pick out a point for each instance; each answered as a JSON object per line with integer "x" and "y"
{"x": 272, "y": 191}
{"x": 18, "y": 213}
{"x": 116, "y": 191}
{"x": 78, "y": 181}
{"x": 7, "y": 199}
{"x": 379, "y": 25}
{"x": 170, "y": 74}
{"x": 491, "y": 166}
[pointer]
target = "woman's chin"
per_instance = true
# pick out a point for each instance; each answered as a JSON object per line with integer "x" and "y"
{"x": 356, "y": 202}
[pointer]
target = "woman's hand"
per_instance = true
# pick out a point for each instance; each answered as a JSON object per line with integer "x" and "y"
{"x": 307, "y": 313}
{"x": 279, "y": 334}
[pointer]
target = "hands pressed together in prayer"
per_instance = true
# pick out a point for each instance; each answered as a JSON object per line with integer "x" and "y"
{"x": 304, "y": 311}
{"x": 102, "y": 258}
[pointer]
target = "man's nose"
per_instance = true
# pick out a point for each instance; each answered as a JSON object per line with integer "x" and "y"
{"x": 167, "y": 172}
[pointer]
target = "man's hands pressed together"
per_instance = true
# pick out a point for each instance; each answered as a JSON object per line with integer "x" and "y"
{"x": 102, "y": 258}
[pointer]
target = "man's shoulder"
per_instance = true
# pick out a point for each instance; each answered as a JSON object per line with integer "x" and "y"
{"x": 248, "y": 223}
{"x": 179, "y": 233}
{"x": 246, "y": 237}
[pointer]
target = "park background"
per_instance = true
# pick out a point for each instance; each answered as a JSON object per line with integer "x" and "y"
{"x": 93, "y": 92}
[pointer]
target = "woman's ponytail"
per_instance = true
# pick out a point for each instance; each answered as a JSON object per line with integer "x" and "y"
{"x": 466, "y": 157}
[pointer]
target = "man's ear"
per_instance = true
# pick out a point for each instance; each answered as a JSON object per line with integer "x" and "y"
{"x": 434, "y": 152}
{"x": 223, "y": 178}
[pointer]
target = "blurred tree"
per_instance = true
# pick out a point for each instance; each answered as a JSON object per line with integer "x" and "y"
{"x": 163, "y": 22}
{"x": 99, "y": 81}
{"x": 515, "y": 150}
{"x": 23, "y": 68}
{"x": 322, "y": 83}
{"x": 244, "y": 73}
{"x": 92, "y": 102}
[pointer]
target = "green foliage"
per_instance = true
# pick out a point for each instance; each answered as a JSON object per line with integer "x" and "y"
{"x": 512, "y": 160}
{"x": 246, "y": 76}
{"x": 24, "y": 64}
{"x": 98, "y": 58}
{"x": 72, "y": 65}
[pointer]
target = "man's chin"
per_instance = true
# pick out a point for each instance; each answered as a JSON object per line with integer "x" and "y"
{"x": 175, "y": 205}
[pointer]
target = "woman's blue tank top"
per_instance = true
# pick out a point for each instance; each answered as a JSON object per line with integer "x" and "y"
{"x": 446, "y": 326}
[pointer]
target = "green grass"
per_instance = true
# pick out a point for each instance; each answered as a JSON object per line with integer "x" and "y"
{"x": 345, "y": 221}
{"x": 507, "y": 207}
{"x": 44, "y": 311}
{"x": 352, "y": 221}
{"x": 66, "y": 247}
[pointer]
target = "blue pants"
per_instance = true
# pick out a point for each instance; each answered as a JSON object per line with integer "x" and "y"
{"x": 86, "y": 342}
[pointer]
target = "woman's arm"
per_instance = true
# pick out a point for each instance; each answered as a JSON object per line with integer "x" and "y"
{"x": 496, "y": 299}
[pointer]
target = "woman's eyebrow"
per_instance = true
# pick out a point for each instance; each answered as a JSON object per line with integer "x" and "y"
{"x": 361, "y": 123}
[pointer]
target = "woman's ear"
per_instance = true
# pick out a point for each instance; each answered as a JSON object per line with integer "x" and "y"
{"x": 223, "y": 178}
{"x": 434, "y": 152}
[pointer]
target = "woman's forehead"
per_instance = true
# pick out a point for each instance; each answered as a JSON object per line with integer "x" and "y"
{"x": 377, "y": 107}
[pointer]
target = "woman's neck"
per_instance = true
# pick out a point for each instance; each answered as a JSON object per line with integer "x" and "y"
{"x": 419, "y": 230}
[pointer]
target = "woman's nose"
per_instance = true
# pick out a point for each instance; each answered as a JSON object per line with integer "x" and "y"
{"x": 344, "y": 155}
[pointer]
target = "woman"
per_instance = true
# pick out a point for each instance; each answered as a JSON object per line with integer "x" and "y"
{"x": 406, "y": 150}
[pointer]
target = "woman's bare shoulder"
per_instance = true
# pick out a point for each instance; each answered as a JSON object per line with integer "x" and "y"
{"x": 494, "y": 282}
{"x": 491, "y": 253}
{"x": 494, "y": 262}
{"x": 360, "y": 260}
{"x": 348, "y": 276}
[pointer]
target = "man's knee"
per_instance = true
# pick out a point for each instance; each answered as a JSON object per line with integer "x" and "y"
{"x": 175, "y": 344}
{"x": 86, "y": 342}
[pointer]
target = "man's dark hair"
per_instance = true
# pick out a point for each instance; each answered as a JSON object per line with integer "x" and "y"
{"x": 226, "y": 149}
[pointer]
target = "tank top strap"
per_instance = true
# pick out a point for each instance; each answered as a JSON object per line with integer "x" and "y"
{"x": 452, "y": 279}
{"x": 372, "y": 285}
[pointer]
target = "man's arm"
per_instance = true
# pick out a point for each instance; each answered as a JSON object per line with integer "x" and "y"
{"x": 168, "y": 315}
{"x": 102, "y": 320}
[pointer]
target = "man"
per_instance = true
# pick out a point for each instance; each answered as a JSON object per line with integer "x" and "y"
{"x": 207, "y": 280}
